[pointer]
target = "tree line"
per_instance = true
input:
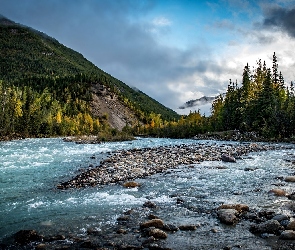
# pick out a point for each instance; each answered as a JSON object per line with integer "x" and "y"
{"x": 262, "y": 103}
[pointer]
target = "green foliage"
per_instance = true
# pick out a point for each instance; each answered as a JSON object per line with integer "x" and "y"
{"x": 46, "y": 87}
{"x": 262, "y": 104}
{"x": 186, "y": 127}
{"x": 31, "y": 57}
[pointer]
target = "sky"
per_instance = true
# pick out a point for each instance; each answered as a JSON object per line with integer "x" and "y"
{"x": 172, "y": 50}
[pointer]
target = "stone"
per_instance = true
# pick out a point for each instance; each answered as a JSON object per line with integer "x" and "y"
{"x": 121, "y": 231}
{"x": 152, "y": 216}
{"x": 270, "y": 226}
{"x": 290, "y": 178}
{"x": 278, "y": 192}
{"x": 280, "y": 217}
{"x": 227, "y": 216}
{"x": 24, "y": 237}
{"x": 170, "y": 227}
{"x": 228, "y": 158}
{"x": 41, "y": 246}
{"x": 158, "y": 233}
{"x": 188, "y": 227}
{"x": 287, "y": 235}
{"x": 131, "y": 184}
{"x": 238, "y": 207}
{"x": 158, "y": 223}
{"x": 150, "y": 204}
{"x": 291, "y": 225}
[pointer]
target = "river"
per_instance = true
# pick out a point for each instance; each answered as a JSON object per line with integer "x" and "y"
{"x": 31, "y": 169}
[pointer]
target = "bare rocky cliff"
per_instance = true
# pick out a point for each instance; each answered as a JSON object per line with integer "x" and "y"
{"x": 105, "y": 102}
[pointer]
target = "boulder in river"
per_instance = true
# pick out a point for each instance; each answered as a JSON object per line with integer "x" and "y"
{"x": 270, "y": 226}
{"x": 158, "y": 223}
{"x": 287, "y": 235}
{"x": 290, "y": 178}
{"x": 158, "y": 233}
{"x": 228, "y": 158}
{"x": 240, "y": 208}
{"x": 291, "y": 225}
{"x": 228, "y": 216}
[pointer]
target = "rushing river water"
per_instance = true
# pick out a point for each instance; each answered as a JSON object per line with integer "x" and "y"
{"x": 30, "y": 170}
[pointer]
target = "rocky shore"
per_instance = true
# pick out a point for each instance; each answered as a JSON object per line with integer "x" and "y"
{"x": 143, "y": 228}
{"x": 126, "y": 165}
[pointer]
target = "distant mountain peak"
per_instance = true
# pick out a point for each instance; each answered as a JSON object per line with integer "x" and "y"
{"x": 197, "y": 102}
{"x": 5, "y": 21}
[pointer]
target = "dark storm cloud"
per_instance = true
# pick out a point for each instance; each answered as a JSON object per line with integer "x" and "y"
{"x": 279, "y": 17}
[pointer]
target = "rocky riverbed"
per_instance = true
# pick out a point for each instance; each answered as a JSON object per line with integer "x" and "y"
{"x": 180, "y": 223}
{"x": 125, "y": 165}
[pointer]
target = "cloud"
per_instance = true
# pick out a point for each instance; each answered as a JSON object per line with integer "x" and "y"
{"x": 161, "y": 21}
{"x": 280, "y": 18}
{"x": 118, "y": 36}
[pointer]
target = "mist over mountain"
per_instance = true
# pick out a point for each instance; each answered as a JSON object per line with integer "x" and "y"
{"x": 198, "y": 102}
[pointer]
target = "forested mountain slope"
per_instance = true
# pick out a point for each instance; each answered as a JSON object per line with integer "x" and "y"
{"x": 31, "y": 61}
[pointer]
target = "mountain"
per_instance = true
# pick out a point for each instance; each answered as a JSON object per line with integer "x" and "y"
{"x": 197, "y": 102}
{"x": 31, "y": 58}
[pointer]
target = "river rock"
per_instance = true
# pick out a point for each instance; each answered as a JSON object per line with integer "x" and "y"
{"x": 150, "y": 204}
{"x": 228, "y": 216}
{"x": 188, "y": 227}
{"x": 238, "y": 207}
{"x": 281, "y": 217}
{"x": 287, "y": 235}
{"x": 291, "y": 226}
{"x": 170, "y": 227}
{"x": 290, "y": 178}
{"x": 158, "y": 223}
{"x": 278, "y": 192}
{"x": 131, "y": 184}
{"x": 271, "y": 226}
{"x": 158, "y": 233}
{"x": 227, "y": 158}
{"x": 24, "y": 237}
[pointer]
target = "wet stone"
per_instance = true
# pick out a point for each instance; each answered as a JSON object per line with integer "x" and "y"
{"x": 271, "y": 226}
{"x": 158, "y": 223}
{"x": 287, "y": 235}
{"x": 228, "y": 216}
{"x": 158, "y": 233}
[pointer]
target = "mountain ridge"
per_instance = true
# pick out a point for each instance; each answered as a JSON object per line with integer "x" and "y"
{"x": 28, "y": 54}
